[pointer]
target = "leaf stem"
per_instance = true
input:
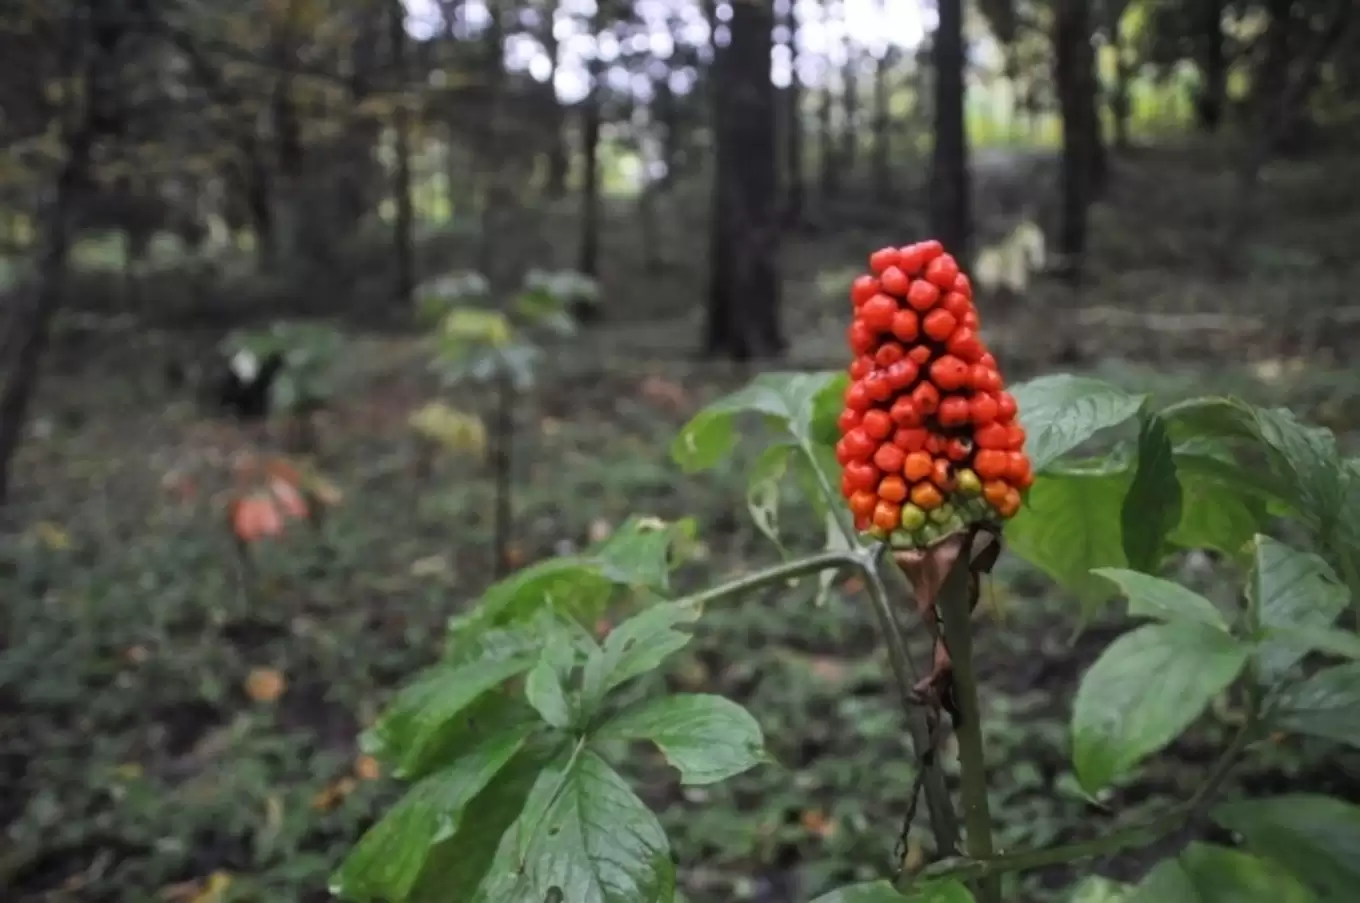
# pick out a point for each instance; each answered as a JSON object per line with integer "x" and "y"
{"x": 955, "y": 605}
{"x": 972, "y": 869}
{"x": 785, "y": 570}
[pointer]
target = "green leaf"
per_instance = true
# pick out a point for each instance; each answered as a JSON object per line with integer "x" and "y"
{"x": 1210, "y": 874}
{"x": 1216, "y": 516}
{"x": 1289, "y": 589}
{"x": 573, "y": 587}
{"x": 1061, "y": 412}
{"x": 1144, "y": 690}
{"x": 765, "y": 488}
{"x": 1326, "y": 705}
{"x": 1095, "y": 889}
{"x": 1324, "y": 640}
{"x": 1069, "y": 526}
{"x": 1152, "y": 507}
{"x": 636, "y": 646}
{"x": 786, "y": 397}
{"x": 883, "y": 892}
{"x": 1317, "y": 838}
{"x": 827, "y": 405}
{"x": 639, "y": 553}
{"x": 707, "y": 738}
{"x": 583, "y": 837}
{"x": 416, "y": 729}
{"x": 543, "y": 688}
{"x": 1153, "y": 597}
{"x": 388, "y": 859}
{"x": 836, "y": 541}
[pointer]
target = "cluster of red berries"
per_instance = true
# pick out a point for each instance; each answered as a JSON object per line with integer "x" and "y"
{"x": 929, "y": 440}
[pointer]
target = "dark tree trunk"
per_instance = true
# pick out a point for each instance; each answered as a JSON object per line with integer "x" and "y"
{"x": 743, "y": 306}
{"x": 667, "y": 117}
{"x": 950, "y": 216}
{"x": 1120, "y": 106}
{"x": 794, "y": 186}
{"x": 849, "y": 155}
{"x": 403, "y": 226}
{"x": 828, "y": 166}
{"x": 559, "y": 158}
{"x": 588, "y": 258}
{"x": 1213, "y": 64}
{"x": 1071, "y": 45}
{"x": 882, "y": 152}
{"x": 490, "y": 174}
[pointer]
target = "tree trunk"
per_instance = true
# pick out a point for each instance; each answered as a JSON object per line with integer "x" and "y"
{"x": 828, "y": 166}
{"x": 794, "y": 187}
{"x": 404, "y": 224}
{"x": 559, "y": 157}
{"x": 1213, "y": 65}
{"x": 1120, "y": 106}
{"x": 743, "y": 310}
{"x": 1071, "y": 41}
{"x": 588, "y": 258}
{"x": 950, "y": 216}
{"x": 849, "y": 156}
{"x": 882, "y": 152}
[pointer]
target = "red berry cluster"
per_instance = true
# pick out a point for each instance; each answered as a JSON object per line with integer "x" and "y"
{"x": 929, "y": 439}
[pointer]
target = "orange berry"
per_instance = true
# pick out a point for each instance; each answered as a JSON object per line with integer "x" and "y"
{"x": 862, "y": 338}
{"x": 991, "y": 464}
{"x": 905, "y": 325}
{"x": 910, "y": 438}
{"x": 861, "y": 367}
{"x": 862, "y": 289}
{"x": 922, "y": 295}
{"x": 942, "y": 271}
{"x": 859, "y": 445}
{"x": 939, "y": 324}
{"x": 953, "y": 410}
{"x": 877, "y": 424}
{"x": 895, "y": 282}
{"x": 887, "y": 515}
{"x": 893, "y": 489}
{"x": 982, "y": 409}
{"x": 902, "y": 374}
{"x": 926, "y": 496}
{"x": 917, "y": 466}
{"x": 878, "y": 312}
{"x": 862, "y": 475}
{"x": 883, "y": 258}
{"x": 1017, "y": 468}
{"x": 994, "y": 491}
{"x": 1010, "y": 503}
{"x": 942, "y": 475}
{"x": 993, "y": 436}
{"x": 862, "y": 503}
{"x": 857, "y": 396}
{"x": 965, "y": 345}
{"x": 848, "y": 420}
{"x": 904, "y": 412}
{"x": 926, "y": 398}
{"x": 889, "y": 353}
{"x": 912, "y": 259}
{"x": 949, "y": 374}
{"x": 1005, "y": 406}
{"x": 877, "y": 385}
{"x": 889, "y": 458}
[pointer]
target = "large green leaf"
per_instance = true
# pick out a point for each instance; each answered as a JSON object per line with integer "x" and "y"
{"x": 641, "y": 552}
{"x": 544, "y": 691}
{"x": 423, "y": 723}
{"x": 1152, "y": 506}
{"x": 765, "y": 488}
{"x": 1061, "y": 412}
{"x": 1153, "y": 597}
{"x": 1317, "y": 838}
{"x": 790, "y": 398}
{"x": 1289, "y": 589}
{"x": 707, "y": 738}
{"x": 388, "y": 859}
{"x": 1326, "y": 704}
{"x": 635, "y": 647}
{"x": 883, "y": 892}
{"x": 583, "y": 837}
{"x": 1143, "y": 691}
{"x": 1210, "y": 874}
{"x": 1216, "y": 516}
{"x": 1069, "y": 526}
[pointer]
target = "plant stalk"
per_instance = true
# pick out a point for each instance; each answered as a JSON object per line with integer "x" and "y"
{"x": 788, "y": 570}
{"x": 955, "y": 605}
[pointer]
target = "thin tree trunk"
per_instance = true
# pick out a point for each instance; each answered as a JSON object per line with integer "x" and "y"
{"x": 1071, "y": 32}
{"x": 1119, "y": 95}
{"x": 849, "y": 156}
{"x": 950, "y": 216}
{"x": 1213, "y": 65}
{"x": 403, "y": 227}
{"x": 882, "y": 151}
{"x": 588, "y": 257}
{"x": 559, "y": 157}
{"x": 794, "y": 177}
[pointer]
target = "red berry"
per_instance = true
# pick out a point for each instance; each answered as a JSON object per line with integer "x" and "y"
{"x": 862, "y": 523}
{"x": 910, "y": 438}
{"x": 1005, "y": 406}
{"x": 993, "y": 437}
{"x": 987, "y": 360}
{"x": 930, "y": 249}
{"x": 904, "y": 412}
{"x": 969, "y": 320}
{"x": 863, "y": 339}
{"x": 953, "y": 411}
{"x": 922, "y": 295}
{"x": 912, "y": 259}
{"x": 895, "y": 282}
{"x": 877, "y": 424}
{"x": 949, "y": 374}
{"x": 942, "y": 271}
{"x": 848, "y": 420}
{"x": 862, "y": 289}
{"x": 921, "y": 354}
{"x": 926, "y": 398}
{"x": 857, "y": 396}
{"x": 858, "y": 444}
{"x": 877, "y": 385}
{"x": 847, "y": 486}
{"x": 862, "y": 475}
{"x": 889, "y": 458}
{"x": 935, "y": 443}
{"x": 939, "y": 324}
{"x": 983, "y": 409}
{"x": 889, "y": 353}
{"x": 1015, "y": 437}
{"x": 878, "y": 312}
{"x": 883, "y": 258}
{"x": 957, "y": 304}
{"x": 843, "y": 455}
{"x": 984, "y": 379}
{"x": 902, "y": 374}
{"x": 1018, "y": 469}
{"x": 861, "y": 367}
{"x": 958, "y": 449}
{"x": 965, "y": 345}
{"x": 962, "y": 285}
{"x": 905, "y": 325}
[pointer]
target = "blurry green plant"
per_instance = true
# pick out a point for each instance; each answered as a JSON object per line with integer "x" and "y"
{"x": 472, "y": 343}
{"x": 306, "y": 381}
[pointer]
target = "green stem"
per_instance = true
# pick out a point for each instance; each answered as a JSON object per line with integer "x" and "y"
{"x": 787, "y": 570}
{"x": 955, "y": 605}
{"x": 973, "y": 869}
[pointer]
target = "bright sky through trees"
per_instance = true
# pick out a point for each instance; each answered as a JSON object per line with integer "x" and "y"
{"x": 872, "y": 24}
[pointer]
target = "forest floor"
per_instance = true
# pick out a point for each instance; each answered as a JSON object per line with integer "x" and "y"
{"x": 169, "y": 736}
